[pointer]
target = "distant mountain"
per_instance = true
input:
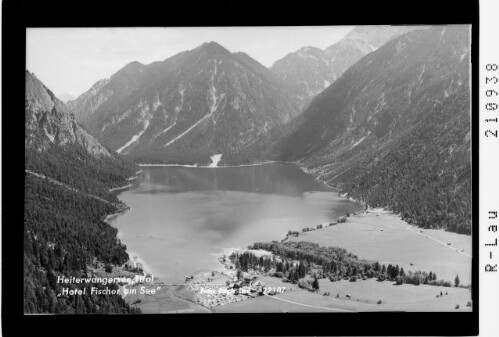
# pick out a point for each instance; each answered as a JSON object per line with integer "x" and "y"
{"x": 65, "y": 97}
{"x": 67, "y": 182}
{"x": 394, "y": 129}
{"x": 186, "y": 108}
{"x": 310, "y": 70}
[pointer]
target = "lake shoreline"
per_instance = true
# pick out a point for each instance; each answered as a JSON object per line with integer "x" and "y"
{"x": 379, "y": 212}
{"x": 182, "y": 292}
{"x": 128, "y": 185}
{"x": 363, "y": 203}
{"x": 208, "y": 166}
{"x": 200, "y": 275}
{"x": 176, "y": 293}
{"x": 132, "y": 294}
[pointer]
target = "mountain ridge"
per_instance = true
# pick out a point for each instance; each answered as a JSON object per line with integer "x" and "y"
{"x": 49, "y": 122}
{"x": 393, "y": 131}
{"x": 369, "y": 132}
{"x": 186, "y": 108}
{"x": 68, "y": 175}
{"x": 310, "y": 70}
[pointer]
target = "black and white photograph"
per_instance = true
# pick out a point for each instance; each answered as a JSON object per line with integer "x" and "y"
{"x": 283, "y": 169}
{"x": 249, "y": 169}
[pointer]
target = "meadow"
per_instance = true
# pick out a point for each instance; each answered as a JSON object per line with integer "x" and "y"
{"x": 382, "y": 236}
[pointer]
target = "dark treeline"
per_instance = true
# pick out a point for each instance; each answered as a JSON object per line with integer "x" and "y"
{"x": 430, "y": 205}
{"x": 64, "y": 231}
{"x": 297, "y": 259}
{"x": 425, "y": 175}
{"x": 285, "y": 268}
{"x": 75, "y": 167}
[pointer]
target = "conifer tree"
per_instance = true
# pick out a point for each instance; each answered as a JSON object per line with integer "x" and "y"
{"x": 315, "y": 283}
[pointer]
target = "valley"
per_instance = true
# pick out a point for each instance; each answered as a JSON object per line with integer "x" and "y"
{"x": 340, "y": 173}
{"x": 373, "y": 234}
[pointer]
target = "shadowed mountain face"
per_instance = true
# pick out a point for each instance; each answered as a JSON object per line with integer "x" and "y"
{"x": 395, "y": 128}
{"x": 384, "y": 95}
{"x": 50, "y": 123}
{"x": 67, "y": 182}
{"x": 186, "y": 108}
{"x": 310, "y": 70}
{"x": 56, "y": 146}
{"x": 392, "y": 130}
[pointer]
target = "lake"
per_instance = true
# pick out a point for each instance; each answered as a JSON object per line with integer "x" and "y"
{"x": 180, "y": 217}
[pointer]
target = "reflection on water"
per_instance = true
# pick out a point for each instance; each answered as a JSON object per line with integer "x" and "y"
{"x": 181, "y": 216}
{"x": 280, "y": 179}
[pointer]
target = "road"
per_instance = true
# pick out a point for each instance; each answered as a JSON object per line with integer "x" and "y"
{"x": 409, "y": 228}
{"x": 307, "y": 305}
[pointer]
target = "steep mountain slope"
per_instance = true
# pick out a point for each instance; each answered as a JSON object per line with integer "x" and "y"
{"x": 68, "y": 177}
{"x": 49, "y": 122}
{"x": 310, "y": 70}
{"x": 394, "y": 130}
{"x": 193, "y": 105}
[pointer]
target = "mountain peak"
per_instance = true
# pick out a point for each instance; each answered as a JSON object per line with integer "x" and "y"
{"x": 207, "y": 99}
{"x": 128, "y": 70}
{"x": 211, "y": 44}
{"x": 366, "y": 30}
{"x": 241, "y": 54}
{"x": 378, "y": 35}
{"x": 134, "y": 65}
{"x": 308, "y": 49}
{"x": 213, "y": 47}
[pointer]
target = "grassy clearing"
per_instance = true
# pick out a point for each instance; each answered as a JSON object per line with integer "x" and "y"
{"x": 386, "y": 238}
{"x": 262, "y": 304}
{"x": 419, "y": 298}
{"x": 363, "y": 297}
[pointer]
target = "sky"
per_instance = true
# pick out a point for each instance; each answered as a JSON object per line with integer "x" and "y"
{"x": 71, "y": 60}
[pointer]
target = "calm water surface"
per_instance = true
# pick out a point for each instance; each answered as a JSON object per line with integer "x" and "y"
{"x": 180, "y": 216}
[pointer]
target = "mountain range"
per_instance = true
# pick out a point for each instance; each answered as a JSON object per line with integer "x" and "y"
{"x": 209, "y": 101}
{"x": 310, "y": 70}
{"x": 383, "y": 115}
{"x": 358, "y": 114}
{"x": 186, "y": 108}
{"x": 394, "y": 129}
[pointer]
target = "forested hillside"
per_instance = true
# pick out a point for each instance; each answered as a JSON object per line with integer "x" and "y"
{"x": 63, "y": 233}
{"x": 394, "y": 130}
{"x": 68, "y": 176}
{"x": 417, "y": 175}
